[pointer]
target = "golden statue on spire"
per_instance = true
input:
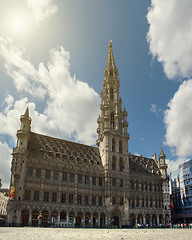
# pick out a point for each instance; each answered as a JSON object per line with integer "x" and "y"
{"x": 110, "y": 43}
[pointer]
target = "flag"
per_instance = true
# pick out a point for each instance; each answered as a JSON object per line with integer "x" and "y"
{"x": 171, "y": 205}
{"x": 13, "y": 191}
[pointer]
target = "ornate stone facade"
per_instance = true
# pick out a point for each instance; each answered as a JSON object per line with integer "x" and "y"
{"x": 71, "y": 184}
{"x": 4, "y": 197}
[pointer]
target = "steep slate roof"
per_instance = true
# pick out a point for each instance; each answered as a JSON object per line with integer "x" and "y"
{"x": 63, "y": 151}
{"x": 141, "y": 165}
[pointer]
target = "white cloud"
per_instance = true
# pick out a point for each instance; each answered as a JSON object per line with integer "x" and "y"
{"x": 174, "y": 164}
{"x": 154, "y": 109}
{"x": 42, "y": 9}
{"x": 71, "y": 106}
{"x": 5, "y": 163}
{"x": 178, "y": 121}
{"x": 170, "y": 35}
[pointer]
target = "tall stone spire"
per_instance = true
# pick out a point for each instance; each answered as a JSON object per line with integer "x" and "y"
{"x": 110, "y": 58}
{"x": 112, "y": 118}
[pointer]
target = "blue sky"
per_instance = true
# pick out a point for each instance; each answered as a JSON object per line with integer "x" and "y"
{"x": 52, "y": 59}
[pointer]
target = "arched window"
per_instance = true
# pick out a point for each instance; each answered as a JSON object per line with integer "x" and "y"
{"x": 121, "y": 167}
{"x": 113, "y": 145}
{"x": 112, "y": 121}
{"x": 147, "y": 204}
{"x": 111, "y": 73}
{"x": 120, "y": 147}
{"x": 113, "y": 163}
{"x": 111, "y": 94}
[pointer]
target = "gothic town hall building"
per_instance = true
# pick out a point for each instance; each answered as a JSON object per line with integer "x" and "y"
{"x": 63, "y": 183}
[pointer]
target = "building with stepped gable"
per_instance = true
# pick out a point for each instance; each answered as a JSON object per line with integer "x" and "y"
{"x": 63, "y": 183}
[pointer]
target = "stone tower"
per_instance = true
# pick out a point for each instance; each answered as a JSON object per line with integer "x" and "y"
{"x": 165, "y": 179}
{"x": 112, "y": 129}
{"x": 20, "y": 156}
{"x": 162, "y": 164}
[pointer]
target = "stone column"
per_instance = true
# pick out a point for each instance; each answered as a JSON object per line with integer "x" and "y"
{"x": 91, "y": 219}
{"x": 157, "y": 220}
{"x": 83, "y": 220}
{"x": 143, "y": 219}
{"x": 99, "y": 222}
{"x": 136, "y": 220}
{"x": 163, "y": 218}
{"x": 106, "y": 222}
{"x": 67, "y": 217}
{"x": 58, "y": 220}
{"x": 30, "y": 217}
{"x": 18, "y": 217}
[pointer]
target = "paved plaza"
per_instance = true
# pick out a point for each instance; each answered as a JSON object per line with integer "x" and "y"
{"x": 29, "y": 233}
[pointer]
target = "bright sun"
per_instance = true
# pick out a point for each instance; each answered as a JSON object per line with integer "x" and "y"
{"x": 18, "y": 23}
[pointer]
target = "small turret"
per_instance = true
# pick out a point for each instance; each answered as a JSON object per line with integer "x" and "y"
{"x": 161, "y": 163}
{"x": 25, "y": 128}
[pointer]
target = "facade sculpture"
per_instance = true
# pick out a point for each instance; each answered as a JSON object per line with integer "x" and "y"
{"x": 70, "y": 184}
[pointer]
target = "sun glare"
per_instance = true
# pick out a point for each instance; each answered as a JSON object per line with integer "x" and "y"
{"x": 18, "y": 23}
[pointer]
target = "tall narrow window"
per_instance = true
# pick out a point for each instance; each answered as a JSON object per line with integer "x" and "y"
{"x": 147, "y": 203}
{"x": 38, "y": 172}
{"x": 113, "y": 163}
{"x": 27, "y": 194}
{"x": 121, "y": 165}
{"x": 113, "y": 145}
{"x": 36, "y": 196}
{"x": 112, "y": 121}
{"x": 54, "y": 197}
{"x": 120, "y": 147}
{"x": 63, "y": 197}
{"x": 111, "y": 94}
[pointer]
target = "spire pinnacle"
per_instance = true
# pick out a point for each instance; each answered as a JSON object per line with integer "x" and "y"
{"x": 110, "y": 57}
{"x": 26, "y": 112}
{"x": 161, "y": 152}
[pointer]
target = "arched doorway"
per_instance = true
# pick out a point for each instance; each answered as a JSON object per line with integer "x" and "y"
{"x": 147, "y": 219}
{"x": 54, "y": 217}
{"x": 160, "y": 219}
{"x": 132, "y": 220}
{"x": 25, "y": 217}
{"x": 166, "y": 219}
{"x": 116, "y": 218}
{"x": 102, "y": 220}
{"x": 79, "y": 219}
{"x": 140, "y": 219}
{"x": 35, "y": 215}
{"x": 87, "y": 219}
{"x": 72, "y": 218}
{"x": 154, "y": 219}
{"x": 95, "y": 220}
{"x": 45, "y": 218}
{"x": 63, "y": 217}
